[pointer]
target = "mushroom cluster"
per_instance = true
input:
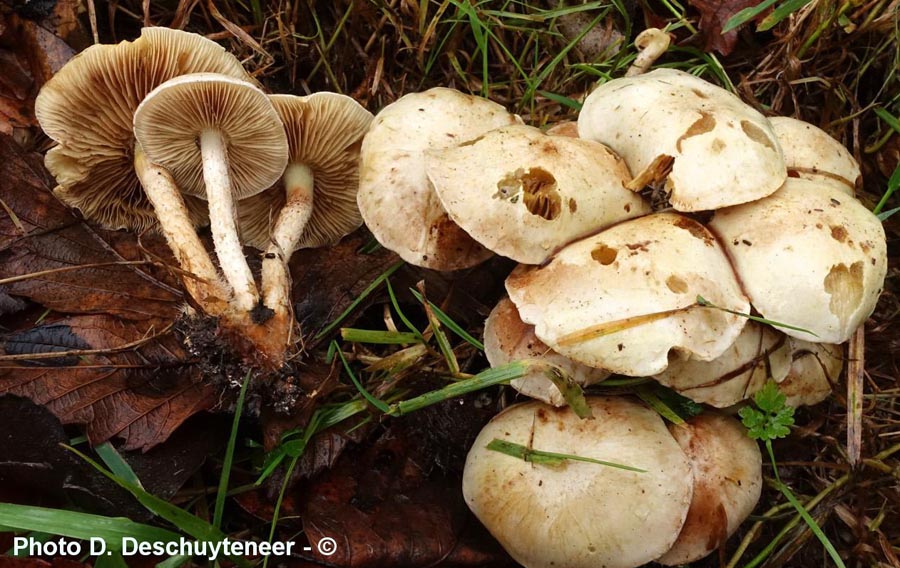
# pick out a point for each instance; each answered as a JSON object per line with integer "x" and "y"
{"x": 673, "y": 232}
{"x": 649, "y": 234}
{"x": 170, "y": 132}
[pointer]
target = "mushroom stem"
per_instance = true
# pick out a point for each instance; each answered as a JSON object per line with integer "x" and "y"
{"x": 223, "y": 220}
{"x": 207, "y": 288}
{"x": 298, "y": 181}
{"x": 651, "y": 44}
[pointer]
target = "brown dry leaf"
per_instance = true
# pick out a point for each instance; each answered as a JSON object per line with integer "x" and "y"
{"x": 29, "y": 55}
{"x": 140, "y": 394}
{"x": 38, "y": 233}
{"x": 713, "y": 16}
{"x": 327, "y": 280}
{"x": 401, "y": 513}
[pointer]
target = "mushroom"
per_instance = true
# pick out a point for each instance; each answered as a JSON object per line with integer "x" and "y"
{"x": 507, "y": 338}
{"x": 758, "y": 354}
{"x": 711, "y": 149}
{"x": 221, "y": 139}
{"x": 523, "y": 194}
{"x": 814, "y": 372}
{"x": 804, "y": 371}
{"x": 727, "y": 473}
{"x": 651, "y": 44}
{"x": 810, "y": 153}
{"x": 623, "y": 299}
{"x": 87, "y": 109}
{"x": 567, "y": 128}
{"x": 314, "y": 204}
{"x": 395, "y": 197}
{"x": 579, "y": 514}
{"x": 809, "y": 256}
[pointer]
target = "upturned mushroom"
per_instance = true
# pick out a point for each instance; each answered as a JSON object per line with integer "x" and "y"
{"x": 87, "y": 109}
{"x": 727, "y": 474}
{"x": 523, "y": 194}
{"x": 221, "y": 140}
{"x": 507, "y": 338}
{"x": 625, "y": 299}
{"x": 709, "y": 148}
{"x": 396, "y": 199}
{"x": 804, "y": 371}
{"x": 579, "y": 514}
{"x": 809, "y": 256}
{"x": 810, "y": 153}
{"x": 314, "y": 203}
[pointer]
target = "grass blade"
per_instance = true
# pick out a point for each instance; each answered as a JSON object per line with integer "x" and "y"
{"x": 378, "y": 337}
{"x": 780, "y": 13}
{"x": 229, "y": 456}
{"x": 449, "y": 323}
{"x": 746, "y": 15}
{"x": 116, "y": 464}
{"x": 359, "y": 299}
{"x": 380, "y": 405}
{"x": 548, "y": 458}
{"x": 80, "y": 525}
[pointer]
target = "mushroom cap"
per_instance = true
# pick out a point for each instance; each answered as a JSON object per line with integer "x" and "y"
{"x": 721, "y": 151}
{"x": 758, "y": 354}
{"x": 567, "y": 128}
{"x": 580, "y": 514}
{"x": 814, "y": 371}
{"x": 169, "y": 121}
{"x": 324, "y": 133}
{"x": 810, "y": 153}
{"x": 809, "y": 256}
{"x": 727, "y": 472}
{"x": 396, "y": 199}
{"x": 507, "y": 338}
{"x": 524, "y": 194}
{"x": 88, "y": 106}
{"x": 623, "y": 299}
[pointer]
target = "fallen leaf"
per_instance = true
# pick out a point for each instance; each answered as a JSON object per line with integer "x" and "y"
{"x": 141, "y": 393}
{"x": 713, "y": 16}
{"x": 29, "y": 56}
{"x": 38, "y": 233}
{"x": 401, "y": 513}
{"x": 327, "y": 280}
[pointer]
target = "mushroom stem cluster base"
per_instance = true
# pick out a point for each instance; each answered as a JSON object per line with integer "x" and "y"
{"x": 222, "y": 220}
{"x": 204, "y": 285}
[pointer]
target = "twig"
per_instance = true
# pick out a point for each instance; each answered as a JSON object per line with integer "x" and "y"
{"x": 81, "y": 352}
{"x": 855, "y": 391}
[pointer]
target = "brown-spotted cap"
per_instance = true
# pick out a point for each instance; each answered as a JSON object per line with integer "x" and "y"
{"x": 324, "y": 133}
{"x": 170, "y": 120}
{"x": 88, "y": 107}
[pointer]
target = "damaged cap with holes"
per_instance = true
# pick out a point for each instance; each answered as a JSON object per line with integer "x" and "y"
{"x": 523, "y": 194}
{"x": 625, "y": 299}
{"x": 727, "y": 475}
{"x": 578, "y": 514}
{"x": 810, "y": 153}
{"x": 804, "y": 371}
{"x": 507, "y": 338}
{"x": 705, "y": 147}
{"x": 396, "y": 200}
{"x": 809, "y": 256}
